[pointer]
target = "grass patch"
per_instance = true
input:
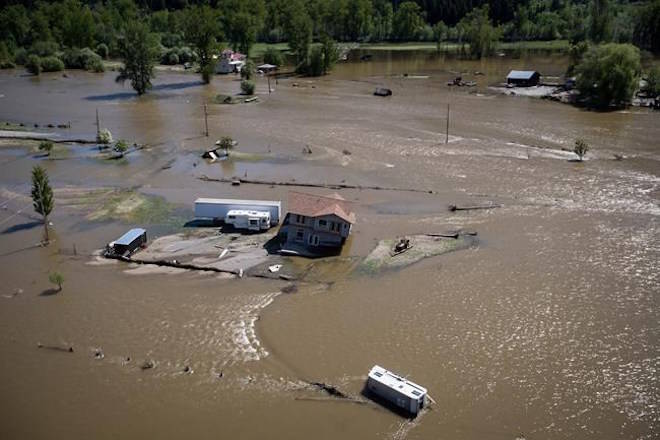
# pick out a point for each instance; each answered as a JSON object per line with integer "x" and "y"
{"x": 257, "y": 50}
{"x": 558, "y": 45}
{"x": 245, "y": 157}
{"x": 132, "y": 207}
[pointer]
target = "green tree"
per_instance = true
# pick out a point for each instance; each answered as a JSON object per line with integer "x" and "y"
{"x": 42, "y": 196}
{"x": 652, "y": 87}
{"x": 227, "y": 143}
{"x": 329, "y": 53}
{"x": 139, "y": 50}
{"x": 480, "y": 33}
{"x": 249, "y": 70}
{"x": 358, "y": 19}
{"x": 439, "y": 33}
{"x": 600, "y": 21}
{"x": 242, "y": 20}
{"x": 201, "y": 30}
{"x": 56, "y": 278}
{"x": 646, "y": 33}
{"x": 298, "y": 31}
{"x": 609, "y": 74}
{"x": 581, "y": 147}
{"x": 407, "y": 21}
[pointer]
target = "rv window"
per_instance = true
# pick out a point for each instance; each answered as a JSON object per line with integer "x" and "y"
{"x": 378, "y": 374}
{"x": 232, "y": 217}
{"x": 416, "y": 393}
{"x": 253, "y": 222}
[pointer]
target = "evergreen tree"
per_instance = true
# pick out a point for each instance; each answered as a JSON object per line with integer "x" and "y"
{"x": 42, "y": 196}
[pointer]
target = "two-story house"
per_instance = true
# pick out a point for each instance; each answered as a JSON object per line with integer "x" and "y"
{"x": 315, "y": 225}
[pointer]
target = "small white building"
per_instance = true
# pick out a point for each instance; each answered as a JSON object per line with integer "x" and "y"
{"x": 229, "y": 62}
{"x": 396, "y": 390}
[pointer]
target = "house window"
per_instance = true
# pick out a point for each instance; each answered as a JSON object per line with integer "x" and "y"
{"x": 314, "y": 240}
{"x": 300, "y": 219}
{"x": 300, "y": 234}
{"x": 323, "y": 223}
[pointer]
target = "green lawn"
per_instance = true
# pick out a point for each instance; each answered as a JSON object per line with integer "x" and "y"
{"x": 257, "y": 51}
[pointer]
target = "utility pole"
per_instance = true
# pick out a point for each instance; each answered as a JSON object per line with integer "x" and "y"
{"x": 268, "y": 76}
{"x": 206, "y": 119}
{"x": 447, "y": 134}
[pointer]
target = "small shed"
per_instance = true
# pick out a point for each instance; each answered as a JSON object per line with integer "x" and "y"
{"x": 129, "y": 242}
{"x": 266, "y": 68}
{"x": 523, "y": 78}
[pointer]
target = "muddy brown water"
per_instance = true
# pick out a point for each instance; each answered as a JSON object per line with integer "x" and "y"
{"x": 547, "y": 329}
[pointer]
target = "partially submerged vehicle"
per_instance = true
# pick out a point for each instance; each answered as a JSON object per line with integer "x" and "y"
{"x": 128, "y": 243}
{"x": 396, "y": 390}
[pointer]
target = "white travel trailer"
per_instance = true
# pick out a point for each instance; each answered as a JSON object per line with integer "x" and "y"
{"x": 397, "y": 390}
{"x": 218, "y": 209}
{"x": 250, "y": 220}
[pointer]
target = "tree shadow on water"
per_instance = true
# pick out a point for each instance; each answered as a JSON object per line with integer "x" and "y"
{"x": 119, "y": 96}
{"x": 50, "y": 292}
{"x": 22, "y": 227}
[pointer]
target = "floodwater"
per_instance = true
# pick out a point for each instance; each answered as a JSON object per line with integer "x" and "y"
{"x": 546, "y": 330}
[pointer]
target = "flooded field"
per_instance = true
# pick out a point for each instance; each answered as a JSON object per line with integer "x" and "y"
{"x": 546, "y": 328}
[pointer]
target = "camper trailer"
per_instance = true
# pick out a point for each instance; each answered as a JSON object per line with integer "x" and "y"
{"x": 250, "y": 220}
{"x": 218, "y": 210}
{"x": 396, "y": 390}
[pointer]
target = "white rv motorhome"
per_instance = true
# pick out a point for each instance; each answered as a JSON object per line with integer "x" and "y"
{"x": 397, "y": 390}
{"x": 250, "y": 220}
{"x": 218, "y": 209}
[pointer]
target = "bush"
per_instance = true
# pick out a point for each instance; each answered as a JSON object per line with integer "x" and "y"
{"x": 33, "y": 64}
{"x": 85, "y": 59}
{"x": 581, "y": 148}
{"x": 170, "y": 58}
{"x": 20, "y": 56}
{"x": 609, "y": 74}
{"x": 171, "y": 40}
{"x": 315, "y": 66}
{"x": 247, "y": 87}
{"x": 248, "y": 70}
{"x": 652, "y": 87}
{"x": 7, "y": 64}
{"x": 121, "y": 146}
{"x": 104, "y": 137}
{"x": 44, "y": 48}
{"x": 273, "y": 56}
{"x": 102, "y": 50}
{"x": 52, "y": 64}
{"x": 186, "y": 55}
{"x": 46, "y": 146}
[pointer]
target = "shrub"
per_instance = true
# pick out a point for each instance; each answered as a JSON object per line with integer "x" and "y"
{"x": 7, "y": 64}
{"x": 46, "y": 146}
{"x": 170, "y": 58}
{"x": 20, "y": 56}
{"x": 186, "y": 55}
{"x": 104, "y": 136}
{"x": 102, "y": 50}
{"x": 44, "y": 48}
{"x": 652, "y": 87}
{"x": 581, "y": 148}
{"x": 273, "y": 56}
{"x": 52, "y": 64}
{"x": 247, "y": 87}
{"x": 33, "y": 64}
{"x": 170, "y": 40}
{"x": 226, "y": 143}
{"x": 248, "y": 70}
{"x": 121, "y": 146}
{"x": 315, "y": 66}
{"x": 85, "y": 59}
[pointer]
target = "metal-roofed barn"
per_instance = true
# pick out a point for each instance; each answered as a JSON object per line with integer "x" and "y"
{"x": 129, "y": 242}
{"x": 523, "y": 78}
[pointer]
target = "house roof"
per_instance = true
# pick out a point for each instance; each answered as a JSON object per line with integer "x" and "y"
{"x": 130, "y": 236}
{"x": 521, "y": 74}
{"x": 311, "y": 205}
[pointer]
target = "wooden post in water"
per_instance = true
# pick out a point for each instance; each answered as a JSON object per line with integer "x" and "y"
{"x": 206, "y": 120}
{"x": 268, "y": 75}
{"x": 447, "y": 134}
{"x": 98, "y": 125}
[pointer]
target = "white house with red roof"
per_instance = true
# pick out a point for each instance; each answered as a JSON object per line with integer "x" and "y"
{"x": 229, "y": 62}
{"x": 315, "y": 225}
